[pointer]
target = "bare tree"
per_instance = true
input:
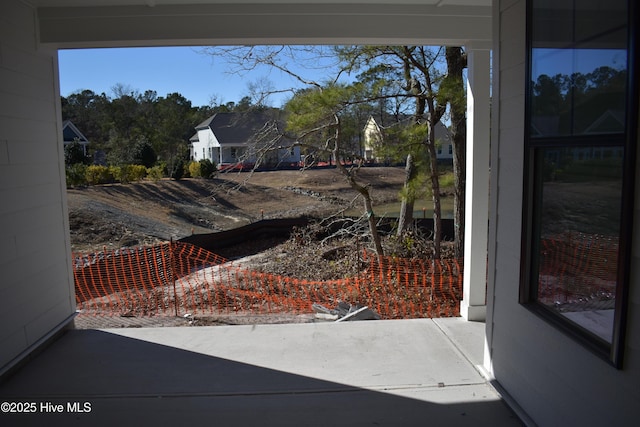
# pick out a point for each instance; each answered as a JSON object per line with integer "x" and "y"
{"x": 315, "y": 119}
{"x": 433, "y": 90}
{"x": 314, "y": 110}
{"x": 397, "y": 73}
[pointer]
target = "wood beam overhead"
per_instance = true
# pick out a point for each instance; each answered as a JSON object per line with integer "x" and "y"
{"x": 242, "y": 24}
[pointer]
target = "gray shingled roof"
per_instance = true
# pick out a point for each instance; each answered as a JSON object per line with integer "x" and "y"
{"x": 236, "y": 129}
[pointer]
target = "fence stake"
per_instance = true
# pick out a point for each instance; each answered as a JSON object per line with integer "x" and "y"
{"x": 393, "y": 287}
{"x": 172, "y": 273}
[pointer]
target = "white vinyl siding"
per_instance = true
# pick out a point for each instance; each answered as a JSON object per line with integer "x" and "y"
{"x": 553, "y": 378}
{"x": 36, "y": 285}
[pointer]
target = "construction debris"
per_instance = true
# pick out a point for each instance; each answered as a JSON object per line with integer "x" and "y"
{"x": 345, "y": 312}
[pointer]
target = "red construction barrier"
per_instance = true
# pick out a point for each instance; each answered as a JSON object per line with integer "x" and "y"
{"x": 577, "y": 268}
{"x": 173, "y": 279}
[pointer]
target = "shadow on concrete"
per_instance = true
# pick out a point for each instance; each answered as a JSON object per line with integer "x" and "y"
{"x": 125, "y": 381}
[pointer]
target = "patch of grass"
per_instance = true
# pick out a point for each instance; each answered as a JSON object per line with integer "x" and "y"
{"x": 447, "y": 180}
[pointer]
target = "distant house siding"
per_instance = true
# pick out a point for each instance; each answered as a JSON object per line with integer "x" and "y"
{"x": 70, "y": 133}
{"x": 373, "y": 138}
{"x": 291, "y": 154}
{"x": 206, "y": 147}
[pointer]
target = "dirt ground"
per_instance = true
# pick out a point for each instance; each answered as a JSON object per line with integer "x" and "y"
{"x": 115, "y": 216}
{"x": 121, "y": 215}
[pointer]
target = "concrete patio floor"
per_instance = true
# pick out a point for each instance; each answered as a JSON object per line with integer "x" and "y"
{"x": 391, "y": 373}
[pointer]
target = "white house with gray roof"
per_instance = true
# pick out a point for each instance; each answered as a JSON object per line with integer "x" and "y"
{"x": 243, "y": 138}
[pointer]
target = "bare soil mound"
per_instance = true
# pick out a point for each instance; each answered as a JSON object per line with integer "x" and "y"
{"x": 142, "y": 213}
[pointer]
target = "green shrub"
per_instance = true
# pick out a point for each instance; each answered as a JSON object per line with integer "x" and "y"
{"x": 129, "y": 173}
{"x": 177, "y": 172}
{"x": 194, "y": 169}
{"x": 201, "y": 169}
{"x": 76, "y": 175}
{"x": 447, "y": 179}
{"x": 207, "y": 168}
{"x": 115, "y": 172}
{"x": 74, "y": 154}
{"x": 96, "y": 174}
{"x": 138, "y": 172}
{"x": 155, "y": 173}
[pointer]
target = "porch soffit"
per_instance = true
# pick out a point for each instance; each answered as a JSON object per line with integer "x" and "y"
{"x": 100, "y": 23}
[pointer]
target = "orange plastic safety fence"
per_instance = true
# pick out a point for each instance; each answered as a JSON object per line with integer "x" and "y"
{"x": 576, "y": 267}
{"x": 179, "y": 278}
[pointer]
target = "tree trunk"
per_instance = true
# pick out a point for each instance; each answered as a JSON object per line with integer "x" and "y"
{"x": 373, "y": 226}
{"x": 456, "y": 62}
{"x": 435, "y": 188}
{"x": 406, "y": 208}
{"x": 361, "y": 189}
{"x": 368, "y": 206}
{"x": 414, "y": 88}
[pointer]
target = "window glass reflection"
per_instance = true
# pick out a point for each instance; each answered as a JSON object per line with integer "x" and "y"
{"x": 578, "y": 68}
{"x": 578, "y": 92}
{"x": 579, "y": 228}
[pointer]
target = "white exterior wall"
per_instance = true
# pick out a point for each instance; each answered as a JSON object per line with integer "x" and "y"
{"x": 553, "y": 378}
{"x": 372, "y": 136}
{"x": 443, "y": 141}
{"x": 286, "y": 154}
{"x": 444, "y": 151}
{"x": 208, "y": 142}
{"x": 36, "y": 283}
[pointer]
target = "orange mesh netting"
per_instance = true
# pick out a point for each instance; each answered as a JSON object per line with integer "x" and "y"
{"x": 178, "y": 278}
{"x": 577, "y": 268}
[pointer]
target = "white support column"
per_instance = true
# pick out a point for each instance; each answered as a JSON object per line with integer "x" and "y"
{"x": 473, "y": 305}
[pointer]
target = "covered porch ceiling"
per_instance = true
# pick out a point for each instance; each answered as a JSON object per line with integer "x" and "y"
{"x": 124, "y": 23}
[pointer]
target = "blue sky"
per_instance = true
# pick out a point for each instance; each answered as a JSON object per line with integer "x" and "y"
{"x": 185, "y": 70}
{"x": 199, "y": 77}
{"x": 568, "y": 61}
